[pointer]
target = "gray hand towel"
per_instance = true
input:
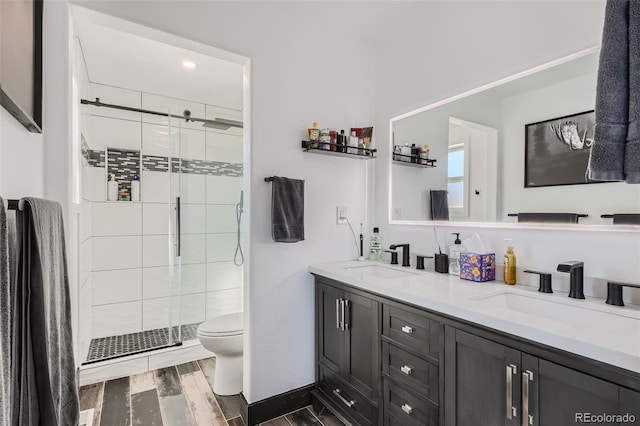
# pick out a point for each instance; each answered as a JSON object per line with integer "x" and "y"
{"x": 632, "y": 148}
{"x": 439, "y": 204}
{"x": 44, "y": 374}
{"x": 615, "y": 154}
{"x": 548, "y": 217}
{"x": 287, "y": 210}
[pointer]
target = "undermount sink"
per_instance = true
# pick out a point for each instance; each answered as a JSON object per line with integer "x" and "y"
{"x": 535, "y": 308}
{"x": 379, "y": 271}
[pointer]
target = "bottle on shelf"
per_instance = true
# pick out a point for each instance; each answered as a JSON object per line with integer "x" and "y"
{"x": 425, "y": 154}
{"x": 112, "y": 189}
{"x": 135, "y": 188}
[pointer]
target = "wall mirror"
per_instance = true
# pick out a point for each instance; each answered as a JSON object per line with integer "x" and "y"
{"x": 506, "y": 152}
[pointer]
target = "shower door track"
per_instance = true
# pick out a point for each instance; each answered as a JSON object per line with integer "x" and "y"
{"x": 214, "y": 123}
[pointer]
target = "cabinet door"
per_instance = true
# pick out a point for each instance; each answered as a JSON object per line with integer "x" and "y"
{"x": 565, "y": 396}
{"x": 482, "y": 382}
{"x": 330, "y": 336}
{"x": 629, "y": 405}
{"x": 362, "y": 366}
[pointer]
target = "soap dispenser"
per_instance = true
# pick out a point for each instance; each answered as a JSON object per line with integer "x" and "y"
{"x": 135, "y": 188}
{"x": 112, "y": 189}
{"x": 454, "y": 255}
{"x": 509, "y": 263}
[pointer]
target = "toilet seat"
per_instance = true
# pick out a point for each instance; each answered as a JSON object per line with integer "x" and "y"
{"x": 224, "y": 325}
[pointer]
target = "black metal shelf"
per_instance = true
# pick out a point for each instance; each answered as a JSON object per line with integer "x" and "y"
{"x": 414, "y": 161}
{"x": 318, "y": 147}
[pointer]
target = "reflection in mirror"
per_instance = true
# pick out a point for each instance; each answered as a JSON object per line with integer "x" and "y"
{"x": 476, "y": 149}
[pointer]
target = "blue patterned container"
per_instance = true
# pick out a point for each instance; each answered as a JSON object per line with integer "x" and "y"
{"x": 478, "y": 267}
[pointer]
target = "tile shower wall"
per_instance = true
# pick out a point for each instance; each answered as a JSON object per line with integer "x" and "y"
{"x": 130, "y": 265}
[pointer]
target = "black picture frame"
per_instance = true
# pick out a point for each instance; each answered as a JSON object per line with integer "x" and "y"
{"x": 557, "y": 150}
{"x": 30, "y": 116}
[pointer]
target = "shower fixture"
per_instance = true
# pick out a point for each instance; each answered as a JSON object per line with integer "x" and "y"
{"x": 214, "y": 123}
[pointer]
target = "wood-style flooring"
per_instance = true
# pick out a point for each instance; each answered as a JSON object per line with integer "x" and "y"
{"x": 177, "y": 396}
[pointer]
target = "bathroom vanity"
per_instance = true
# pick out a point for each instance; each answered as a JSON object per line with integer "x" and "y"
{"x": 402, "y": 347}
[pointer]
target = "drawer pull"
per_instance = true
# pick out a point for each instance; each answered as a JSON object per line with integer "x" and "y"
{"x": 349, "y": 404}
{"x": 407, "y": 408}
{"x": 407, "y": 329}
{"x": 406, "y": 370}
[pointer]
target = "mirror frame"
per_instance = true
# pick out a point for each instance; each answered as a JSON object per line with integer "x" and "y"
{"x": 505, "y": 80}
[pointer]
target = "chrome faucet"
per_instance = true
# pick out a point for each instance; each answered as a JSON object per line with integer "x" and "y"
{"x": 575, "y": 269}
{"x": 405, "y": 252}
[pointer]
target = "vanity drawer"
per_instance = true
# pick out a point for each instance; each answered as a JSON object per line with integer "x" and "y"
{"x": 402, "y": 408}
{"x": 349, "y": 400}
{"x": 412, "y": 328}
{"x": 410, "y": 371}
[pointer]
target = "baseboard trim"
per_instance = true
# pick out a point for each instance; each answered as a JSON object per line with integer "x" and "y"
{"x": 275, "y": 406}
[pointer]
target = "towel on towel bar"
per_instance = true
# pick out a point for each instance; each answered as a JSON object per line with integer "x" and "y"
{"x": 548, "y": 217}
{"x": 287, "y": 210}
{"x": 439, "y": 204}
{"x": 615, "y": 154}
{"x": 44, "y": 390}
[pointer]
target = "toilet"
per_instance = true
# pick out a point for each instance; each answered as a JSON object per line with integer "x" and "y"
{"x": 222, "y": 335}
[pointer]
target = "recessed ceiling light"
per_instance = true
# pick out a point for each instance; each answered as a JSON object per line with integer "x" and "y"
{"x": 188, "y": 64}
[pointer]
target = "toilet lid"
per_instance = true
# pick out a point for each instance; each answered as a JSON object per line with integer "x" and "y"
{"x": 224, "y": 325}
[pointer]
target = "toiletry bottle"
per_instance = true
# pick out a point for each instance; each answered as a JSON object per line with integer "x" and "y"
{"x": 325, "y": 139}
{"x": 342, "y": 140}
{"x": 353, "y": 142}
{"x": 375, "y": 245}
{"x": 314, "y": 134}
{"x": 425, "y": 153}
{"x": 112, "y": 189}
{"x": 509, "y": 263}
{"x": 454, "y": 255}
{"x": 406, "y": 153}
{"x": 419, "y": 155}
{"x": 135, "y": 188}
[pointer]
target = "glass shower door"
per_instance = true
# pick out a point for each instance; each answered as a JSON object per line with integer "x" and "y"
{"x": 175, "y": 235}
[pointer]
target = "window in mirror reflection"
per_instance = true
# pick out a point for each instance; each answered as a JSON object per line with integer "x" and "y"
{"x": 455, "y": 179}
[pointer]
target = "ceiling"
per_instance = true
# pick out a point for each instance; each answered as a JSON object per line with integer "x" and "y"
{"x": 129, "y": 61}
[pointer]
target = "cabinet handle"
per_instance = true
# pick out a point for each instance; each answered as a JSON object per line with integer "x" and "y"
{"x": 349, "y": 404}
{"x": 345, "y": 314}
{"x": 511, "y": 410}
{"x": 406, "y": 370}
{"x": 407, "y": 329}
{"x": 527, "y": 419}
{"x": 407, "y": 408}
{"x": 338, "y": 313}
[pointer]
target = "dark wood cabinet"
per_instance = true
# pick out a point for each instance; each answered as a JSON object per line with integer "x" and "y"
{"x": 348, "y": 328}
{"x": 383, "y": 362}
{"x": 491, "y": 384}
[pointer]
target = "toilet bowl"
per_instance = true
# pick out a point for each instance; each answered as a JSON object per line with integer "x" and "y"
{"x": 222, "y": 335}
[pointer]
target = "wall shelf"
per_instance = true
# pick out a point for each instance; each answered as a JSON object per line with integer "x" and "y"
{"x": 360, "y": 153}
{"x": 414, "y": 161}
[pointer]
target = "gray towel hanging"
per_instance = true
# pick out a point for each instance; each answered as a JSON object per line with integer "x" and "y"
{"x": 287, "y": 210}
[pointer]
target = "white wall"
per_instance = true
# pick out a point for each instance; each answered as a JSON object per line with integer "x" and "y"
{"x": 290, "y": 88}
{"x": 20, "y": 159}
{"x": 491, "y": 40}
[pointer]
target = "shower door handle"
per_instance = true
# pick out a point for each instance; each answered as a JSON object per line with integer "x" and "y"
{"x": 178, "y": 233}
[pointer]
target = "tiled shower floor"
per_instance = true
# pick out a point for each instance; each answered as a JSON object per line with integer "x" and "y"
{"x": 114, "y": 346}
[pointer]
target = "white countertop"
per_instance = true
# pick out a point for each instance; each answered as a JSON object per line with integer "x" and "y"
{"x": 591, "y": 328}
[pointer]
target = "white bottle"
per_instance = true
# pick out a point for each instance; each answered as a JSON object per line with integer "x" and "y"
{"x": 454, "y": 255}
{"x": 353, "y": 142}
{"x": 112, "y": 189}
{"x": 406, "y": 153}
{"x": 375, "y": 246}
{"x": 135, "y": 188}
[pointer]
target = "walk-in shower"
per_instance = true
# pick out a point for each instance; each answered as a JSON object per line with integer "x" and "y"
{"x": 157, "y": 267}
